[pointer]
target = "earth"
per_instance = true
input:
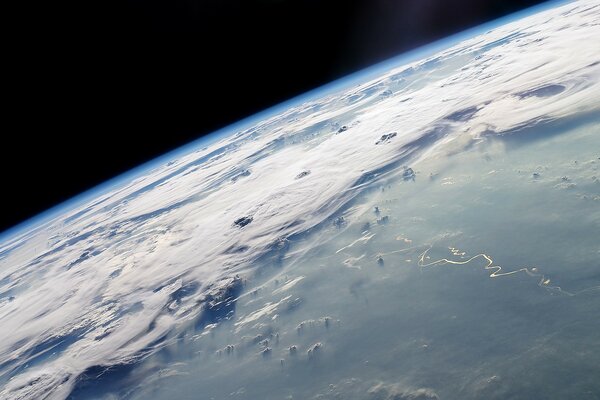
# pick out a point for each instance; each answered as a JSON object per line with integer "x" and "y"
{"x": 426, "y": 229}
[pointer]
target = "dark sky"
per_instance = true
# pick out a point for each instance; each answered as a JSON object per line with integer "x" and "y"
{"x": 98, "y": 87}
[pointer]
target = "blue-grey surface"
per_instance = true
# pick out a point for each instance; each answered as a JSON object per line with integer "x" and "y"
{"x": 431, "y": 232}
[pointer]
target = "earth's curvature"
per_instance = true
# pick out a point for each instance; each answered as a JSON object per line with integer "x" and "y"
{"x": 429, "y": 231}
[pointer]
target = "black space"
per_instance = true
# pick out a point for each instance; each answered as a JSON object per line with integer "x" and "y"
{"x": 98, "y": 87}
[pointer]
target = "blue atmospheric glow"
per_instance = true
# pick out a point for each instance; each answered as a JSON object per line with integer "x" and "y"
{"x": 337, "y": 85}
